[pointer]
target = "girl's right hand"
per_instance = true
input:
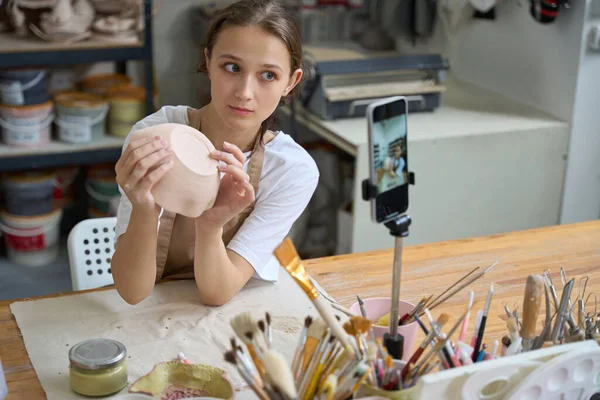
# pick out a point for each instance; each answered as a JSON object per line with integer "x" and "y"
{"x": 143, "y": 163}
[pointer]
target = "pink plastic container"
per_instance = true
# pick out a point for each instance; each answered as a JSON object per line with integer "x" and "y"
{"x": 377, "y": 307}
{"x": 27, "y": 126}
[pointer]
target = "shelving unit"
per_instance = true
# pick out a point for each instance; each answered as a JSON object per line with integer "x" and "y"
{"x": 16, "y": 52}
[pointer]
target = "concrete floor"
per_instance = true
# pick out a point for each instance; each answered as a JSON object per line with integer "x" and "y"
{"x": 18, "y": 281}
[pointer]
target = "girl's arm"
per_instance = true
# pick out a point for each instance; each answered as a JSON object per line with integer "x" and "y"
{"x": 219, "y": 272}
{"x": 134, "y": 261}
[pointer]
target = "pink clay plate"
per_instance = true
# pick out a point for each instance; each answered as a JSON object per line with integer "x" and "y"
{"x": 190, "y": 187}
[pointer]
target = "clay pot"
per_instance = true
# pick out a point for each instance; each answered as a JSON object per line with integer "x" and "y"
{"x": 190, "y": 187}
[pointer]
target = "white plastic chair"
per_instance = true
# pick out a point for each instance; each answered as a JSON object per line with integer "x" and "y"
{"x": 91, "y": 247}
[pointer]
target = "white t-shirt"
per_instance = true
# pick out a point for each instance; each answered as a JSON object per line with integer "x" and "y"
{"x": 288, "y": 180}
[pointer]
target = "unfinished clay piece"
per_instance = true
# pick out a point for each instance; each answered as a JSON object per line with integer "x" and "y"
{"x": 190, "y": 187}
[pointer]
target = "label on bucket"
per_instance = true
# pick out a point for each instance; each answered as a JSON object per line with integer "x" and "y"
{"x": 26, "y": 243}
{"x": 11, "y": 93}
{"x": 75, "y": 129}
{"x": 21, "y": 138}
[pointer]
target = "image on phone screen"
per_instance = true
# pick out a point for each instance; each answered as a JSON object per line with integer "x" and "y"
{"x": 390, "y": 161}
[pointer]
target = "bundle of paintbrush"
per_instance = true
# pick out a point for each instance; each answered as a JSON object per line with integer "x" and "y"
{"x": 559, "y": 324}
{"x": 431, "y": 302}
{"x": 321, "y": 366}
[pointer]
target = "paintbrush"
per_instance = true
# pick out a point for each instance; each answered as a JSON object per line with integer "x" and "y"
{"x": 452, "y": 286}
{"x": 314, "y": 334}
{"x": 532, "y": 300}
{"x": 269, "y": 329}
{"x": 288, "y": 257}
{"x": 465, "y": 325}
{"x": 356, "y": 327}
{"x": 442, "y": 320}
{"x": 298, "y": 354}
{"x": 486, "y": 310}
{"x": 230, "y": 357}
{"x": 280, "y": 375}
{"x": 464, "y": 285}
{"x": 245, "y": 327}
{"x": 440, "y": 344}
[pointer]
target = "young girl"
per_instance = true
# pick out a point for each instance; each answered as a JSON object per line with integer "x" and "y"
{"x": 253, "y": 57}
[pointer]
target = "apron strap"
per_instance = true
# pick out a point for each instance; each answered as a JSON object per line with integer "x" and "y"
{"x": 167, "y": 220}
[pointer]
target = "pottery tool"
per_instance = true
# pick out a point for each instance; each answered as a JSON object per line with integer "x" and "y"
{"x": 288, "y": 257}
{"x": 515, "y": 338}
{"x": 561, "y": 314}
{"x": 486, "y": 310}
{"x": 531, "y": 308}
{"x": 298, "y": 354}
{"x": 280, "y": 375}
{"x": 464, "y": 285}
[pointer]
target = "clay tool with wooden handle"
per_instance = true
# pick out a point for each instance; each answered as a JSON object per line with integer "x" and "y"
{"x": 532, "y": 300}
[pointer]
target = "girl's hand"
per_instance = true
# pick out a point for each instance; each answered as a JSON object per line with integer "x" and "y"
{"x": 235, "y": 191}
{"x": 141, "y": 165}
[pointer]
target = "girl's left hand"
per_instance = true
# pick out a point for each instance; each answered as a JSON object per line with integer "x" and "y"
{"x": 235, "y": 191}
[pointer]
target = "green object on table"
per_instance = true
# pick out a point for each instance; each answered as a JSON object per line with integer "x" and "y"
{"x": 176, "y": 375}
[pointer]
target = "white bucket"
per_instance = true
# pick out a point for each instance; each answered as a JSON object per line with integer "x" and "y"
{"x": 26, "y": 126}
{"x": 32, "y": 241}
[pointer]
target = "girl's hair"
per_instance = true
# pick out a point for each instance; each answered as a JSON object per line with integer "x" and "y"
{"x": 273, "y": 18}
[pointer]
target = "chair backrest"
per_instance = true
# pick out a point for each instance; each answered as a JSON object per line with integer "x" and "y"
{"x": 91, "y": 247}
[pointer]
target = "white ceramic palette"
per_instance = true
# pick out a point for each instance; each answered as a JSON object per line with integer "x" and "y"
{"x": 565, "y": 372}
{"x": 190, "y": 187}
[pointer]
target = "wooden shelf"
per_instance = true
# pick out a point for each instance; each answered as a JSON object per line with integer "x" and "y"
{"x": 57, "y": 154}
{"x": 11, "y": 43}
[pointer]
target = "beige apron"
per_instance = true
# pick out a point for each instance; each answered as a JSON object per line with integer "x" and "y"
{"x": 177, "y": 234}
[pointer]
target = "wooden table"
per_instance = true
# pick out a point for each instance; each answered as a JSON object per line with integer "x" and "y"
{"x": 427, "y": 269}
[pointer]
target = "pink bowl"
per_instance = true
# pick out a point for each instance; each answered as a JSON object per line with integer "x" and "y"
{"x": 377, "y": 307}
{"x": 190, "y": 187}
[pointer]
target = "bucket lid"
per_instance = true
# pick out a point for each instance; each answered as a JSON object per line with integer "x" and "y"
{"x": 29, "y": 176}
{"x": 15, "y": 221}
{"x": 104, "y": 81}
{"x": 75, "y": 99}
{"x": 126, "y": 92}
{"x": 46, "y": 105}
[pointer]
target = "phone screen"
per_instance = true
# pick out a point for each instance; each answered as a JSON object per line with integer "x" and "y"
{"x": 390, "y": 159}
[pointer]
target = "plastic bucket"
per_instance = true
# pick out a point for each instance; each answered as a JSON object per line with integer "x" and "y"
{"x": 100, "y": 83}
{"x": 27, "y": 126}
{"x": 101, "y": 192}
{"x": 32, "y": 241}
{"x": 63, "y": 192}
{"x": 29, "y": 194}
{"x": 127, "y": 106}
{"x": 80, "y": 117}
{"x": 22, "y": 87}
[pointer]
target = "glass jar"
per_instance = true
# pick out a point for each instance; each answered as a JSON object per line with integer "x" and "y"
{"x": 98, "y": 367}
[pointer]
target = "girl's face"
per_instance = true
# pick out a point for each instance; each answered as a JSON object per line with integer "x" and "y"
{"x": 249, "y": 71}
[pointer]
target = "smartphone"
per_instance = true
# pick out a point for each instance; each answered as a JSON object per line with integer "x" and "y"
{"x": 388, "y": 157}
